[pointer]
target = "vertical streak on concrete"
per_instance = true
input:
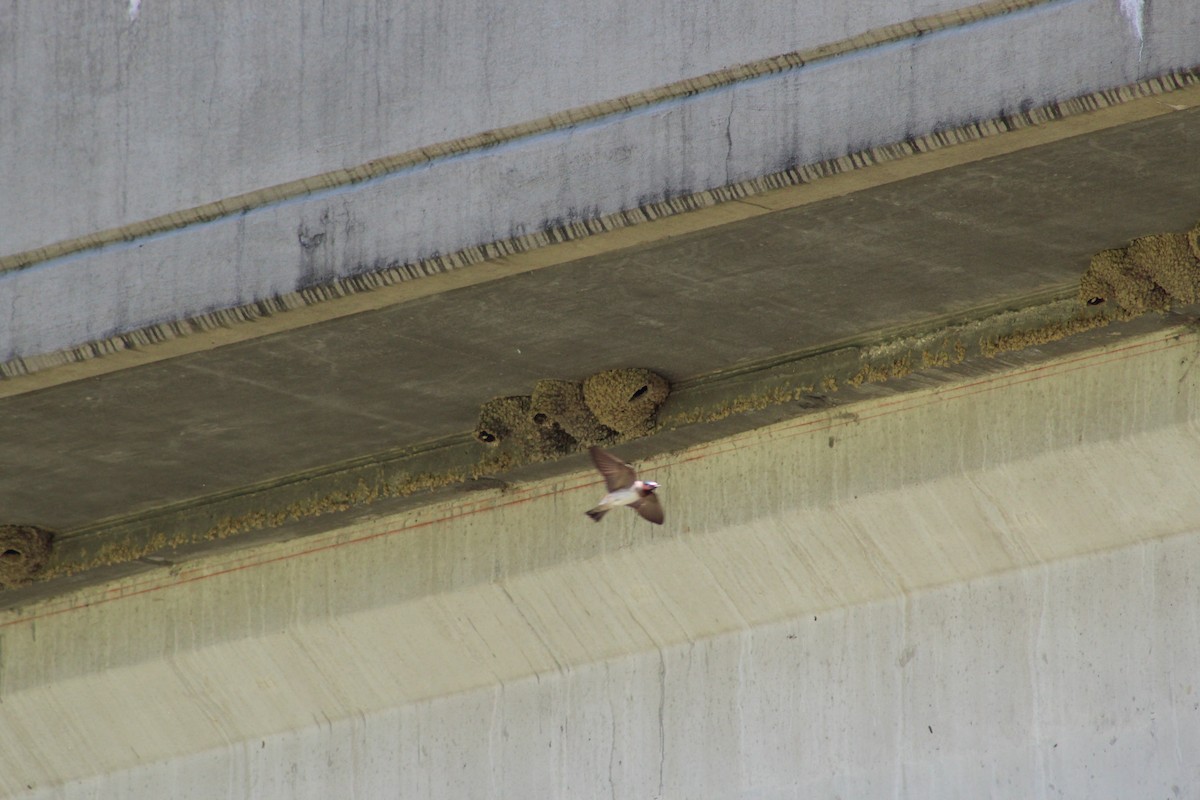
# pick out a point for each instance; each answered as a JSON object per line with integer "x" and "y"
{"x": 901, "y": 704}
{"x": 495, "y": 738}
{"x": 662, "y": 701}
{"x": 729, "y": 141}
{"x": 741, "y": 690}
{"x": 1135, "y": 12}
{"x": 1035, "y": 683}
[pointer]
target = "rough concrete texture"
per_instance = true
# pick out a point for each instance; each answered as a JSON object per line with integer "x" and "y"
{"x": 977, "y": 590}
{"x": 709, "y": 139}
{"x": 801, "y": 279}
{"x": 282, "y": 93}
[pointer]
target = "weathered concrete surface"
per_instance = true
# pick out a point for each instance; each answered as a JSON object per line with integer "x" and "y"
{"x": 978, "y": 588}
{"x": 983, "y": 589}
{"x": 991, "y": 231}
{"x": 145, "y": 91}
{"x": 102, "y": 103}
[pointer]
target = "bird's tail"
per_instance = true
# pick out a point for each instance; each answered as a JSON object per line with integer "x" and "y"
{"x": 597, "y": 512}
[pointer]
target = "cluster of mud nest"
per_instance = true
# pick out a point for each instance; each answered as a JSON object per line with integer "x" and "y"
{"x": 1151, "y": 273}
{"x": 24, "y": 550}
{"x": 561, "y": 416}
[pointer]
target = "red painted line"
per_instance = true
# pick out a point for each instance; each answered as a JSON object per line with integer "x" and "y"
{"x": 700, "y": 453}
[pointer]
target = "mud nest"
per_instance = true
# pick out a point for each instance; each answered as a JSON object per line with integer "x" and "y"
{"x": 1151, "y": 273}
{"x": 563, "y": 415}
{"x": 559, "y": 402}
{"x": 508, "y": 419}
{"x": 24, "y": 550}
{"x": 626, "y": 400}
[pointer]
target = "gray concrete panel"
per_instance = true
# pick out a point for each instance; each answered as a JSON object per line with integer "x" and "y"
{"x": 110, "y": 120}
{"x": 879, "y": 96}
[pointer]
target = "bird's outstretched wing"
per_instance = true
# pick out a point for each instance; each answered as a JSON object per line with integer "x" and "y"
{"x": 617, "y": 474}
{"x": 649, "y": 508}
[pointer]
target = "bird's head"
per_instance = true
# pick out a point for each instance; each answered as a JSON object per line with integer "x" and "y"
{"x": 648, "y": 486}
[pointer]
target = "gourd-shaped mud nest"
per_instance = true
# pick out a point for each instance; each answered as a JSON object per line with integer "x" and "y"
{"x": 24, "y": 550}
{"x": 563, "y": 415}
{"x": 1151, "y": 273}
{"x": 508, "y": 419}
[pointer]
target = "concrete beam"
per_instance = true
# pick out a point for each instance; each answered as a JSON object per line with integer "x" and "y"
{"x": 982, "y": 588}
{"x": 258, "y": 121}
{"x": 920, "y": 262}
{"x": 187, "y": 106}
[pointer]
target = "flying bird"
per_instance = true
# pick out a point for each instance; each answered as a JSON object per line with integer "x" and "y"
{"x": 624, "y": 488}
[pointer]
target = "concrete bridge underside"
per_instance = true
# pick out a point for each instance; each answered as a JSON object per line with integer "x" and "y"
{"x": 985, "y": 587}
{"x": 932, "y": 527}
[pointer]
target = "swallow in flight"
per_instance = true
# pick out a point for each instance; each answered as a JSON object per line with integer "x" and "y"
{"x": 624, "y": 489}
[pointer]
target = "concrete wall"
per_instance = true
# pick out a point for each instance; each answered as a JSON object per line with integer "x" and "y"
{"x": 116, "y": 118}
{"x": 980, "y": 589}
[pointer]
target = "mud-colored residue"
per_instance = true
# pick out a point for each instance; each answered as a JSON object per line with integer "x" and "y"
{"x": 881, "y": 373}
{"x": 744, "y": 404}
{"x": 990, "y": 347}
{"x": 24, "y": 550}
{"x": 1151, "y": 273}
{"x": 948, "y": 353}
